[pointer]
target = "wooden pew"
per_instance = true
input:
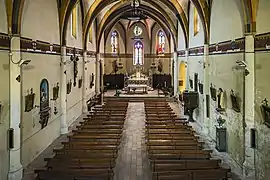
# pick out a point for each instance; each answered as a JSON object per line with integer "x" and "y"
{"x": 174, "y": 150}
{"x": 91, "y": 149}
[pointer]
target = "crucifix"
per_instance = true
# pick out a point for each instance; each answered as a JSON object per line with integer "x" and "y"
{"x": 75, "y": 60}
{"x": 265, "y": 102}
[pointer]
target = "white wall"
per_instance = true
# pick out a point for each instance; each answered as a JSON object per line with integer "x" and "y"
{"x": 227, "y": 25}
{"x": 262, "y": 88}
{"x": 34, "y": 139}
{"x": 71, "y": 41}
{"x": 3, "y": 17}
{"x": 263, "y": 14}
{"x": 4, "y": 117}
{"x": 40, "y": 20}
{"x": 181, "y": 44}
{"x": 226, "y": 21}
{"x": 198, "y": 40}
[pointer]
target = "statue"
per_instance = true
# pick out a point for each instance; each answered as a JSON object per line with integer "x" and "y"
{"x": 221, "y": 100}
{"x": 160, "y": 66}
{"x": 115, "y": 66}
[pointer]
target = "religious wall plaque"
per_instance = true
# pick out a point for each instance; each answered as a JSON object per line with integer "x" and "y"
{"x": 29, "y": 101}
{"x": 235, "y": 102}
{"x": 200, "y": 87}
{"x": 56, "y": 92}
{"x": 213, "y": 92}
{"x": 265, "y": 109}
{"x": 80, "y": 82}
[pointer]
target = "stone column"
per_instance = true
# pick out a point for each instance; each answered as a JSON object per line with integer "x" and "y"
{"x": 102, "y": 80}
{"x": 97, "y": 84}
{"x": 187, "y": 69}
{"x": 63, "y": 92}
{"x": 175, "y": 75}
{"x": 249, "y": 164}
{"x": 15, "y": 167}
{"x": 84, "y": 83}
{"x": 206, "y": 88}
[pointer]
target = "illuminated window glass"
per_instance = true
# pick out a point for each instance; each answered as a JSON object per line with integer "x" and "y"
{"x": 114, "y": 42}
{"x": 161, "y": 42}
{"x": 138, "y": 53}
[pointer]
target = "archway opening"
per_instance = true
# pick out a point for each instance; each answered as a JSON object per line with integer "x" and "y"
{"x": 182, "y": 77}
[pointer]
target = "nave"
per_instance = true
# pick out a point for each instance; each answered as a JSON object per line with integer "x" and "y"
{"x": 133, "y": 141}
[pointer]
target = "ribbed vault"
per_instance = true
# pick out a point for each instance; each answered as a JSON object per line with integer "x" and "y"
{"x": 172, "y": 11}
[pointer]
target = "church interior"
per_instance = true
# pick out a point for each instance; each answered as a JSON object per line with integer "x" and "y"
{"x": 134, "y": 90}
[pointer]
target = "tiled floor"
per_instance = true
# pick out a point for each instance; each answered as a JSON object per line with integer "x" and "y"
{"x": 132, "y": 162}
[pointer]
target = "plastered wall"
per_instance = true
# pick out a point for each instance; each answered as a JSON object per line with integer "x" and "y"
{"x": 195, "y": 62}
{"x": 3, "y": 17}
{"x": 46, "y": 66}
{"x": 220, "y": 73}
{"x": 4, "y": 116}
{"x": 262, "y": 89}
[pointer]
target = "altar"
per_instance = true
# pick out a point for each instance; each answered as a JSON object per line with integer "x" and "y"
{"x": 137, "y": 81}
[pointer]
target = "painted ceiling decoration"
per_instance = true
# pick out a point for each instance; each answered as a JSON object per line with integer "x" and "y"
{"x": 167, "y": 13}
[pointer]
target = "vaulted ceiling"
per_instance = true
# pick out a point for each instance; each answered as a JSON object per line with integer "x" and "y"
{"x": 167, "y": 13}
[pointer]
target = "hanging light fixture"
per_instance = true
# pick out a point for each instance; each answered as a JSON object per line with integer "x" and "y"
{"x": 136, "y": 15}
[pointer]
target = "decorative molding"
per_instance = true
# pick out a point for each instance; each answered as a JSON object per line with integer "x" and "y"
{"x": 181, "y": 53}
{"x": 4, "y": 41}
{"x": 36, "y": 46}
{"x": 196, "y": 51}
{"x": 70, "y": 51}
{"x": 262, "y": 42}
{"x": 111, "y": 55}
{"x": 91, "y": 54}
{"x": 228, "y": 47}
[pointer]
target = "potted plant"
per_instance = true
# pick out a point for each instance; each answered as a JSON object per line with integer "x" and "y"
{"x": 220, "y": 121}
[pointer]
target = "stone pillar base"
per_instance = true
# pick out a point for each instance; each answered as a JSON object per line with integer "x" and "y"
{"x": 16, "y": 175}
{"x": 64, "y": 130}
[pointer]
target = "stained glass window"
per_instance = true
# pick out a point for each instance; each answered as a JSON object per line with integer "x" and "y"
{"x": 138, "y": 53}
{"x": 114, "y": 42}
{"x": 161, "y": 42}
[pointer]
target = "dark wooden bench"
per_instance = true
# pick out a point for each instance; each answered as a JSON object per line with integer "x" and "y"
{"x": 174, "y": 150}
{"x": 91, "y": 149}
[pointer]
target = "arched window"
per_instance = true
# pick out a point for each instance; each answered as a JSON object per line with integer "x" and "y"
{"x": 196, "y": 22}
{"x": 114, "y": 42}
{"x": 138, "y": 53}
{"x": 161, "y": 42}
{"x": 74, "y": 22}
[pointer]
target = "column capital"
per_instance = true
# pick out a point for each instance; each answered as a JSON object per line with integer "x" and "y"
{"x": 249, "y": 44}
{"x": 186, "y": 52}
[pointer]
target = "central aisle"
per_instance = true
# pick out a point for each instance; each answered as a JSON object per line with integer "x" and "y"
{"x": 132, "y": 162}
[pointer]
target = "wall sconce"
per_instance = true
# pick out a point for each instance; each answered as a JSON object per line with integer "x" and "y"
{"x": 241, "y": 66}
{"x": 204, "y": 64}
